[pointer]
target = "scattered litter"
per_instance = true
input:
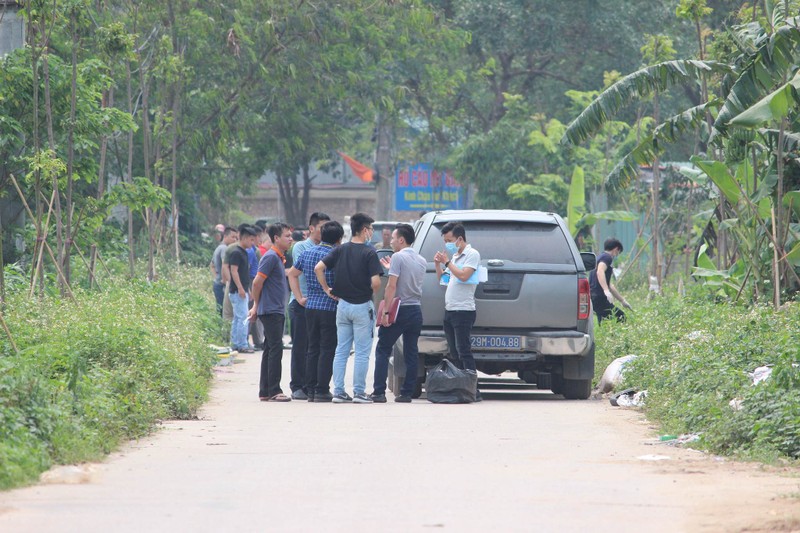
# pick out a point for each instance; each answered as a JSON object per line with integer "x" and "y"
{"x": 679, "y": 440}
{"x": 736, "y": 404}
{"x": 225, "y": 356}
{"x": 695, "y": 335}
{"x": 629, "y": 398}
{"x": 653, "y": 457}
{"x": 760, "y": 374}
{"x": 612, "y": 376}
{"x": 68, "y": 475}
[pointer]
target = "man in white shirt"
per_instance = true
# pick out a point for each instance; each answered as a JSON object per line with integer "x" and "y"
{"x": 462, "y": 260}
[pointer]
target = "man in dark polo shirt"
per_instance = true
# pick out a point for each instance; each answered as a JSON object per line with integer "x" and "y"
{"x": 356, "y": 277}
{"x": 271, "y": 293}
{"x": 239, "y": 288}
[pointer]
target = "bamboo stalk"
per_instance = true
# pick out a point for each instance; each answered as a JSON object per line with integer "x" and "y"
{"x": 8, "y": 332}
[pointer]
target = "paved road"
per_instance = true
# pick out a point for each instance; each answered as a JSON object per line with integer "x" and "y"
{"x": 516, "y": 462}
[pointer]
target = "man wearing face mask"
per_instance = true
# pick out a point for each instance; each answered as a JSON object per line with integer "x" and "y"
{"x": 462, "y": 261}
{"x": 600, "y": 285}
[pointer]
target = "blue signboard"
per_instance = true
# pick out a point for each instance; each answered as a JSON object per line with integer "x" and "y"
{"x": 420, "y": 187}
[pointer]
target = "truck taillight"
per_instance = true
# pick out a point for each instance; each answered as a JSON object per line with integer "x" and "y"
{"x": 584, "y": 299}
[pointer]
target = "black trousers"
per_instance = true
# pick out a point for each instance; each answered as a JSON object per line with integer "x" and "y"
{"x": 605, "y": 309}
{"x": 297, "y": 317}
{"x": 322, "y": 340}
{"x": 270, "y": 382}
{"x": 457, "y": 328}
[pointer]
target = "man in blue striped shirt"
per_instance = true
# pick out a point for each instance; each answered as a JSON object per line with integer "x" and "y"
{"x": 297, "y": 314}
{"x": 320, "y": 313}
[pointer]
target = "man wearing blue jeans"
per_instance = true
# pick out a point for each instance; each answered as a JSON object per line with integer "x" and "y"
{"x": 406, "y": 272}
{"x": 240, "y": 287}
{"x": 462, "y": 260}
{"x": 356, "y": 278}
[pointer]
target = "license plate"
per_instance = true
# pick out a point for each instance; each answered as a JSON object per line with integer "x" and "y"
{"x": 495, "y": 341}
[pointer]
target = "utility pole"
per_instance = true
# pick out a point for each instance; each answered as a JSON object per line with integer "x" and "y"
{"x": 383, "y": 163}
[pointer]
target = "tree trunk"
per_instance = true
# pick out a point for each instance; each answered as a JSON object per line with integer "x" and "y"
{"x": 37, "y": 275}
{"x": 65, "y": 265}
{"x": 2, "y": 268}
{"x": 129, "y": 177}
{"x": 656, "y": 200}
{"x": 48, "y": 108}
{"x": 149, "y": 213}
{"x": 383, "y": 162}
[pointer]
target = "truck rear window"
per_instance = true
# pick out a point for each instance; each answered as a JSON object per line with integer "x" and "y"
{"x": 520, "y": 242}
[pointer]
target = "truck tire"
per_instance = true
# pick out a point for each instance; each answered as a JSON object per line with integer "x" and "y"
{"x": 397, "y": 370}
{"x": 556, "y": 383}
{"x": 576, "y": 389}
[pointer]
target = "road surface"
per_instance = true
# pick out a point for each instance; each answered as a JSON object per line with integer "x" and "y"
{"x": 527, "y": 461}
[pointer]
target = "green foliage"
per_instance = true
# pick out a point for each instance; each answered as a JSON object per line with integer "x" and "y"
{"x": 634, "y": 86}
{"x": 99, "y": 370}
{"x": 693, "y": 358}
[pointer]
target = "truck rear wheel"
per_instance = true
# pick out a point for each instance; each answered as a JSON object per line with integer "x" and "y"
{"x": 576, "y": 389}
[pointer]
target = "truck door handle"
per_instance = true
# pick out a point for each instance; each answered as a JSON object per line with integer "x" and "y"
{"x": 496, "y": 289}
{"x": 495, "y": 262}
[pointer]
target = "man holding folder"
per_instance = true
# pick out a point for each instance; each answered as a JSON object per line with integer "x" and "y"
{"x": 406, "y": 272}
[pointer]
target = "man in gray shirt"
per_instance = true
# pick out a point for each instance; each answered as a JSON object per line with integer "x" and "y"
{"x": 229, "y": 236}
{"x": 406, "y": 272}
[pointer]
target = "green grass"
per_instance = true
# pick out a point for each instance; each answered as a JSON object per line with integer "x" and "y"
{"x": 102, "y": 369}
{"x": 694, "y": 356}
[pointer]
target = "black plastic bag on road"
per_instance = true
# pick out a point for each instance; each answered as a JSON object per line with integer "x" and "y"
{"x": 446, "y": 383}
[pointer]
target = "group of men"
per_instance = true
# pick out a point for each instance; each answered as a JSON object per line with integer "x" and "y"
{"x": 331, "y": 308}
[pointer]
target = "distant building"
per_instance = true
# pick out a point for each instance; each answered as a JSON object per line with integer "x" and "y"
{"x": 12, "y": 27}
{"x": 335, "y": 191}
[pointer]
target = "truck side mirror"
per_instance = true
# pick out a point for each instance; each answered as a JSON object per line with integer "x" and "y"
{"x": 589, "y": 260}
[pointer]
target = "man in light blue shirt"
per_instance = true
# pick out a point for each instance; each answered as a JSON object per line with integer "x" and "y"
{"x": 297, "y": 313}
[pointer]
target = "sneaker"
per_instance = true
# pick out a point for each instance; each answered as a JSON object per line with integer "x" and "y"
{"x": 342, "y": 397}
{"x": 361, "y": 398}
{"x": 310, "y": 396}
{"x": 321, "y": 397}
{"x": 299, "y": 395}
{"x": 378, "y": 398}
{"x": 402, "y": 399}
{"x": 246, "y": 349}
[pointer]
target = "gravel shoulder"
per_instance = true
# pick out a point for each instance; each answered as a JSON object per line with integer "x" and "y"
{"x": 515, "y": 462}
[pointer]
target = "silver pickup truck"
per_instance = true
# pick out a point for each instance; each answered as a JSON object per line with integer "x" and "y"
{"x": 534, "y": 312}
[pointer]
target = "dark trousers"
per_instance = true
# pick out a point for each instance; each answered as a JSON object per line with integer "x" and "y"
{"x": 322, "y": 340}
{"x": 297, "y": 329}
{"x": 457, "y": 328}
{"x": 409, "y": 325}
{"x": 270, "y": 383}
{"x": 219, "y": 295}
{"x": 605, "y": 309}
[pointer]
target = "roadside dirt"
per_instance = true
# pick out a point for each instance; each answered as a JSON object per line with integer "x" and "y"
{"x": 519, "y": 461}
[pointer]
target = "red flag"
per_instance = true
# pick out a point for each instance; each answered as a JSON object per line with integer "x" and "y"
{"x": 363, "y": 172}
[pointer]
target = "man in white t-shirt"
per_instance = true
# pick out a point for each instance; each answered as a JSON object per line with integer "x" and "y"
{"x": 462, "y": 261}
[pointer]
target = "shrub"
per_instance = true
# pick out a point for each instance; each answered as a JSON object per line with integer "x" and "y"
{"x": 694, "y": 357}
{"x": 99, "y": 370}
